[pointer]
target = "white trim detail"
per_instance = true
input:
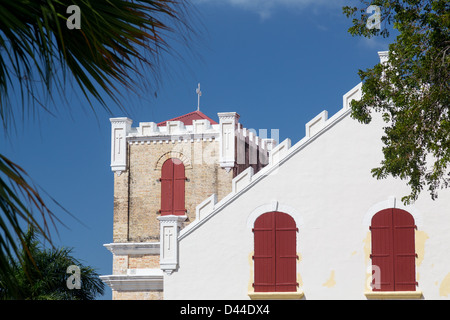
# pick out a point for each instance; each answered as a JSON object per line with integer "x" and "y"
{"x": 274, "y": 205}
{"x": 148, "y": 280}
{"x": 130, "y": 248}
{"x": 392, "y": 202}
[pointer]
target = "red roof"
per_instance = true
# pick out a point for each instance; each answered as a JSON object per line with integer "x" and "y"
{"x": 188, "y": 118}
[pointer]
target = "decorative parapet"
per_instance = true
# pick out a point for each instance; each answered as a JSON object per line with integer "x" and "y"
{"x": 278, "y": 154}
{"x": 314, "y": 126}
{"x": 206, "y": 207}
{"x": 243, "y": 179}
{"x": 353, "y": 94}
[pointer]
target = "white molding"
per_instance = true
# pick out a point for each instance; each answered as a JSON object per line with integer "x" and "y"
{"x": 177, "y": 137}
{"x": 274, "y": 205}
{"x": 133, "y": 248}
{"x": 392, "y": 202}
{"x": 152, "y": 281}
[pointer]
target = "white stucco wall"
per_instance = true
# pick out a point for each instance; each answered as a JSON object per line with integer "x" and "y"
{"x": 328, "y": 188}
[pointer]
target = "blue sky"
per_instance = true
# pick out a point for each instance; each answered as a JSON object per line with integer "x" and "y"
{"x": 278, "y": 63}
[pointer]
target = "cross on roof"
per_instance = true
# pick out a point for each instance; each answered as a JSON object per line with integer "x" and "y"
{"x": 199, "y": 93}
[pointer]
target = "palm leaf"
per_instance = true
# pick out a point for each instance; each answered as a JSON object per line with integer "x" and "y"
{"x": 119, "y": 45}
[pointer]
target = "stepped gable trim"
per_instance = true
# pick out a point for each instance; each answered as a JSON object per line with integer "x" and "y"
{"x": 271, "y": 168}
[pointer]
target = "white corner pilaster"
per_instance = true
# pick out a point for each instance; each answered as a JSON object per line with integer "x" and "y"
{"x": 170, "y": 226}
{"x": 120, "y": 127}
{"x": 228, "y": 124}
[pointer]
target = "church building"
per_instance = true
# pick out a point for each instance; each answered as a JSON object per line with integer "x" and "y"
{"x": 206, "y": 209}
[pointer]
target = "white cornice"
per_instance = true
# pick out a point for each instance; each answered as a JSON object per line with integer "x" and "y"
{"x": 133, "y": 248}
{"x": 180, "y": 137}
{"x": 154, "y": 281}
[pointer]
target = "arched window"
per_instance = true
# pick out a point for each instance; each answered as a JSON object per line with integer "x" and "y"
{"x": 275, "y": 253}
{"x": 172, "y": 187}
{"x": 393, "y": 251}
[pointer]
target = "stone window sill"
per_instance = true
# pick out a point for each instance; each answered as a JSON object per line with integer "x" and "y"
{"x": 393, "y": 294}
{"x": 276, "y": 295}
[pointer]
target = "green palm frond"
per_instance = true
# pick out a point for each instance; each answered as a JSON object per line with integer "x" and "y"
{"x": 17, "y": 197}
{"x": 119, "y": 45}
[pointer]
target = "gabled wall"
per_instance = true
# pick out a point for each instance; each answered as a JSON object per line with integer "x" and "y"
{"x": 324, "y": 182}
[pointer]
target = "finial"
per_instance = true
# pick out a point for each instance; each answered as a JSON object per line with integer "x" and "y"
{"x": 199, "y": 93}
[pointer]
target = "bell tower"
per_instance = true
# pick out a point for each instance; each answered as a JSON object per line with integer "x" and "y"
{"x": 162, "y": 173}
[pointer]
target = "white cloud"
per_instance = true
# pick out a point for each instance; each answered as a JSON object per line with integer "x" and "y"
{"x": 265, "y": 8}
{"x": 378, "y": 43}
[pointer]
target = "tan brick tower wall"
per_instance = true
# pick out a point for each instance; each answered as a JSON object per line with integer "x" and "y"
{"x": 137, "y": 192}
{"x": 137, "y": 196}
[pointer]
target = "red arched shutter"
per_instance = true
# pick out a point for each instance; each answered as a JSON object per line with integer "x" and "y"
{"x": 382, "y": 250}
{"x": 286, "y": 253}
{"x": 404, "y": 251}
{"x": 264, "y": 255}
{"x": 179, "y": 180}
{"x": 275, "y": 256}
{"x": 167, "y": 188}
{"x": 172, "y": 187}
{"x": 393, "y": 250}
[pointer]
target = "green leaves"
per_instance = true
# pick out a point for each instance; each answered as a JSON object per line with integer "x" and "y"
{"x": 412, "y": 91}
{"x": 119, "y": 45}
{"x": 17, "y": 196}
{"x": 41, "y": 274}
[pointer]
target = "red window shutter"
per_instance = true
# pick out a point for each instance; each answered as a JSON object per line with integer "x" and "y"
{"x": 275, "y": 256}
{"x": 404, "y": 251}
{"x": 286, "y": 253}
{"x": 167, "y": 187}
{"x": 393, "y": 250}
{"x": 179, "y": 180}
{"x": 382, "y": 250}
{"x": 173, "y": 187}
{"x": 264, "y": 254}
